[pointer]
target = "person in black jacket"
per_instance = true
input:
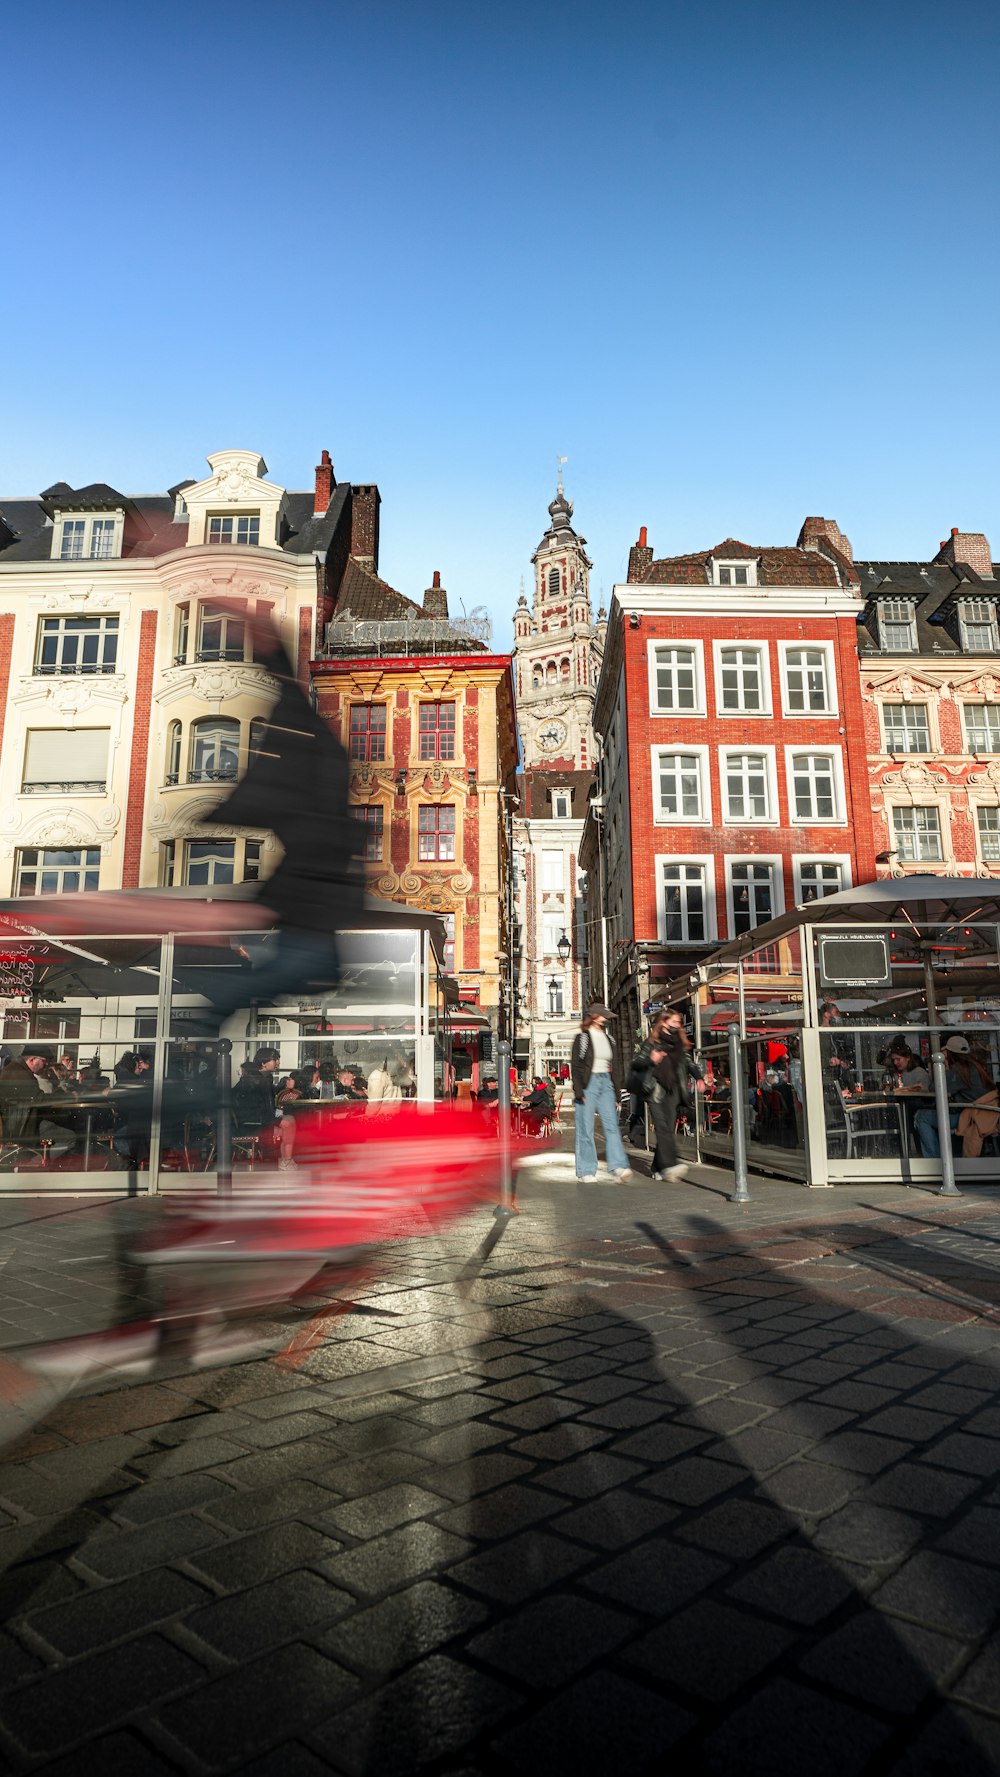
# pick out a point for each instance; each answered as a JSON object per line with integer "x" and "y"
{"x": 661, "y": 1065}
{"x": 296, "y": 785}
{"x": 253, "y": 1093}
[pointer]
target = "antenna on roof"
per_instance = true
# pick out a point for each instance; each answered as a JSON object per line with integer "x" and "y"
{"x": 559, "y": 469}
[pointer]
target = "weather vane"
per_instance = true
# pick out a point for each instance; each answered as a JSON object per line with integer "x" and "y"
{"x": 559, "y": 469}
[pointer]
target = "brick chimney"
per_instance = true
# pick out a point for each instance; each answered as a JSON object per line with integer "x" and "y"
{"x": 365, "y": 502}
{"x": 326, "y": 481}
{"x": 815, "y": 531}
{"x": 640, "y": 557}
{"x": 435, "y": 598}
{"x": 968, "y": 548}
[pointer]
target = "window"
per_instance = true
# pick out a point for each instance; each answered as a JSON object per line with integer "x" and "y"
{"x": 448, "y": 957}
{"x": 57, "y": 872}
{"x": 173, "y": 771}
{"x": 819, "y": 877}
{"x": 684, "y": 903}
{"x": 741, "y": 680}
{"x": 253, "y": 851}
{"x": 753, "y": 894}
{"x": 77, "y": 645}
{"x": 221, "y": 636}
{"x": 746, "y": 786}
{"x": 982, "y": 727}
{"x": 807, "y": 681}
{"x": 555, "y": 582}
{"x": 977, "y": 622}
{"x": 372, "y": 818}
{"x": 736, "y": 573}
{"x": 59, "y": 760}
{"x": 917, "y": 833}
{"x": 554, "y": 995}
{"x": 435, "y": 834}
{"x": 897, "y": 628}
{"x": 258, "y": 729}
{"x": 988, "y": 821}
{"x": 561, "y": 805}
{"x": 242, "y": 528}
{"x": 144, "y": 1024}
{"x": 88, "y": 539}
{"x": 552, "y": 872}
{"x": 677, "y": 777}
{"x": 215, "y": 751}
{"x": 368, "y": 726}
{"x": 906, "y": 728}
{"x": 674, "y": 679}
{"x": 813, "y": 786}
{"x": 182, "y": 635}
{"x": 209, "y": 860}
{"x": 553, "y": 929}
{"x": 537, "y": 678}
{"x": 437, "y": 731}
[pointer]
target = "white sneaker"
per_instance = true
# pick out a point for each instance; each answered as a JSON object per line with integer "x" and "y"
{"x": 589, "y": 1178}
{"x": 674, "y": 1174}
{"x": 658, "y": 1177}
{"x": 624, "y": 1173}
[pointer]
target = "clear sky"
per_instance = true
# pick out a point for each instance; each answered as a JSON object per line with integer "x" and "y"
{"x": 738, "y": 263}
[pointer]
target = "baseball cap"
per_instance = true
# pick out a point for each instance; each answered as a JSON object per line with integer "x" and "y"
{"x": 957, "y": 1045}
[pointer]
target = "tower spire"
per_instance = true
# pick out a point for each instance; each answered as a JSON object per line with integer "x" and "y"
{"x": 560, "y": 461}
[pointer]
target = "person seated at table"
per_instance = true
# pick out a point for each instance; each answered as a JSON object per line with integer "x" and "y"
{"x": 537, "y": 1107}
{"x": 349, "y": 1086}
{"x": 966, "y": 1080}
{"x": 134, "y": 1102}
{"x": 28, "y": 1087}
{"x": 907, "y": 1071}
{"x": 253, "y": 1093}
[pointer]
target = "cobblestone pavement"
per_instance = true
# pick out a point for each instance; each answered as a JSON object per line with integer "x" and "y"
{"x": 647, "y": 1482}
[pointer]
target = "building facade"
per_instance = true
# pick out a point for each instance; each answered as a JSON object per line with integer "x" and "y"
{"x": 426, "y": 713}
{"x": 130, "y": 694}
{"x": 733, "y": 776}
{"x": 557, "y": 656}
{"x": 929, "y": 647}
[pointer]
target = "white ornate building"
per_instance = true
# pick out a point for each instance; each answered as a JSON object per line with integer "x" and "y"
{"x": 557, "y": 657}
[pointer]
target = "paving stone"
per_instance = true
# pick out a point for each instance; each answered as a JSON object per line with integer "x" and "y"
{"x": 30, "y": 1585}
{"x": 290, "y": 1759}
{"x": 104, "y": 1614}
{"x": 795, "y": 1583}
{"x": 739, "y": 1528}
{"x": 262, "y": 1616}
{"x": 620, "y": 1517}
{"x": 114, "y": 1755}
{"x": 955, "y": 1740}
{"x": 467, "y": 1480}
{"x": 660, "y": 1443}
{"x": 710, "y": 1649}
{"x": 68, "y": 1705}
{"x": 197, "y": 1453}
{"x": 599, "y": 1390}
{"x": 550, "y": 1640}
{"x": 969, "y": 1455}
{"x": 366, "y": 1474}
{"x": 523, "y": 1387}
{"x": 284, "y": 1463}
{"x": 980, "y": 1683}
{"x": 114, "y": 1554}
{"x": 593, "y": 1473}
{"x": 462, "y": 1441}
{"x": 403, "y": 1628}
{"x": 760, "y": 1448}
{"x": 560, "y": 1443}
{"x": 16, "y": 1663}
{"x": 424, "y": 1715}
{"x": 513, "y": 1570}
{"x": 248, "y": 1559}
{"x": 868, "y": 1533}
{"x": 535, "y": 1415}
{"x": 936, "y": 1492}
{"x": 500, "y": 1513}
{"x": 377, "y": 1512}
{"x": 162, "y": 1499}
{"x": 658, "y": 1576}
{"x": 916, "y": 1424}
{"x": 694, "y": 1480}
{"x": 862, "y": 1452}
{"x": 956, "y": 1596}
{"x": 388, "y": 1562}
{"x": 591, "y": 1729}
{"x": 268, "y": 1505}
{"x": 976, "y": 1537}
{"x": 883, "y": 1661}
{"x": 787, "y": 1728}
{"x": 258, "y": 1704}
{"x": 949, "y": 1397}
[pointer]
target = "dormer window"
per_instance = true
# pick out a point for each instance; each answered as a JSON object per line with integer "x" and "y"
{"x": 561, "y": 805}
{"x": 181, "y": 513}
{"x": 977, "y": 622}
{"x": 88, "y": 539}
{"x": 239, "y": 528}
{"x": 735, "y": 573}
{"x": 897, "y": 626}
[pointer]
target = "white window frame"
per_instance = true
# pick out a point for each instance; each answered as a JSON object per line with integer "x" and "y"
{"x": 907, "y": 703}
{"x": 94, "y": 524}
{"x": 719, "y": 647}
{"x": 549, "y": 921}
{"x": 837, "y": 819}
{"x": 965, "y": 618}
{"x": 562, "y": 805}
{"x": 548, "y": 853}
{"x": 707, "y": 862}
{"x": 843, "y": 859}
{"x": 979, "y": 704}
{"x": 662, "y": 819}
{"x": 830, "y": 708}
{"x": 883, "y": 618}
{"x": 696, "y": 648}
{"x": 978, "y": 808}
{"x": 103, "y": 628}
{"x": 235, "y": 520}
{"x": 776, "y": 861}
{"x": 770, "y": 819}
{"x": 86, "y": 867}
{"x": 746, "y": 564}
{"x": 943, "y": 833}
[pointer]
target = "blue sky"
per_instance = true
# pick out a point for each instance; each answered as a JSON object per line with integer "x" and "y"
{"x": 738, "y": 263}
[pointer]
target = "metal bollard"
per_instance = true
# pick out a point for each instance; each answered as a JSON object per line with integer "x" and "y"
{"x": 938, "y": 1072}
{"x": 506, "y": 1205}
{"x": 739, "y": 1114}
{"x": 224, "y": 1120}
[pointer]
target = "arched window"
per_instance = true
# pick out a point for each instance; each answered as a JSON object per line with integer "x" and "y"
{"x": 537, "y": 679}
{"x": 550, "y": 673}
{"x": 564, "y": 669}
{"x": 215, "y": 751}
{"x": 555, "y": 582}
{"x": 258, "y": 729}
{"x": 173, "y": 774}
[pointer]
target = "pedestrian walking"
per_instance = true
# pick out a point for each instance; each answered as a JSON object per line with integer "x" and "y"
{"x": 591, "y": 1061}
{"x": 661, "y": 1068}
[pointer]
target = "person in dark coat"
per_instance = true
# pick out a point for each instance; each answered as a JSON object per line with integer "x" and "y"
{"x": 661, "y": 1065}
{"x": 253, "y": 1093}
{"x": 297, "y": 786}
{"x": 30, "y": 1103}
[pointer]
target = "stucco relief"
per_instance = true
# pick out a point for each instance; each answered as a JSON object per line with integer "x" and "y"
{"x": 84, "y": 595}
{"x": 989, "y": 775}
{"x": 71, "y": 695}
{"x": 215, "y": 684}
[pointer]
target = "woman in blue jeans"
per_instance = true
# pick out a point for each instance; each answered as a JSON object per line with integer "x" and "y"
{"x": 594, "y": 1091}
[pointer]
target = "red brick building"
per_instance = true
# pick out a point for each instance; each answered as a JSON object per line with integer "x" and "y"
{"x": 733, "y": 777}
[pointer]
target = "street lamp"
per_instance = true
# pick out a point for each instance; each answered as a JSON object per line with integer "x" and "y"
{"x": 563, "y": 948}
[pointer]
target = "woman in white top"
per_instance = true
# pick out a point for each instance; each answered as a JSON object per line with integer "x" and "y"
{"x": 388, "y": 1084}
{"x": 594, "y": 1092}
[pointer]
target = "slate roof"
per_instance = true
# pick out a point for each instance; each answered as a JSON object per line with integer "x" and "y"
{"x": 370, "y": 599}
{"x": 934, "y": 588}
{"x": 150, "y": 529}
{"x": 535, "y": 787}
{"x": 776, "y": 566}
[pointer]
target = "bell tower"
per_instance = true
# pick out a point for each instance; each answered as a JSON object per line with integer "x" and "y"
{"x": 557, "y": 649}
